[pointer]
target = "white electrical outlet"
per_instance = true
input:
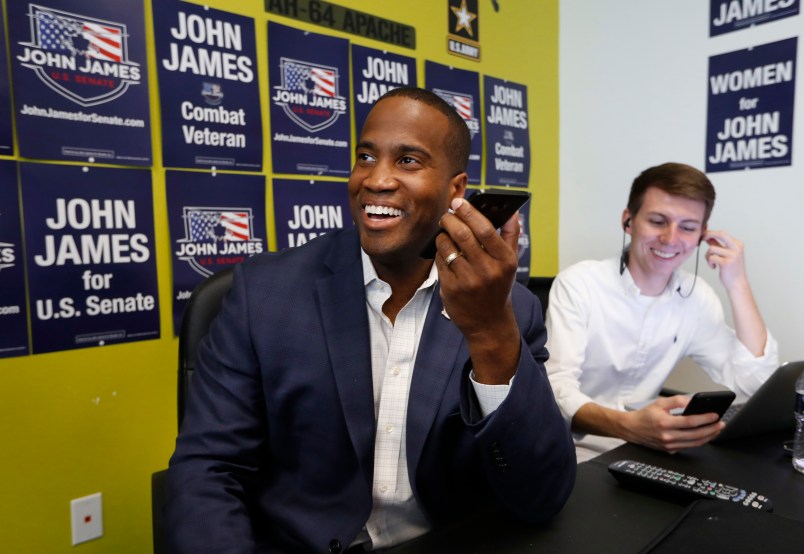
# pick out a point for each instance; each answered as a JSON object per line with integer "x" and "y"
{"x": 86, "y": 514}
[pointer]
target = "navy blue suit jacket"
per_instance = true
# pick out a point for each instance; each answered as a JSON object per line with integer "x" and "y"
{"x": 276, "y": 450}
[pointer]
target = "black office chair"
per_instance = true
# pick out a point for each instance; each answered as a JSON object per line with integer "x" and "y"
{"x": 540, "y": 286}
{"x": 204, "y": 304}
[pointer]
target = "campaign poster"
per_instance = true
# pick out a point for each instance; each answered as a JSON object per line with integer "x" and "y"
{"x": 216, "y": 221}
{"x": 309, "y": 96}
{"x": 726, "y": 16}
{"x": 209, "y": 93}
{"x": 13, "y": 314}
{"x": 80, "y": 80}
{"x": 304, "y": 210}
{"x": 461, "y": 90}
{"x": 751, "y": 96}
{"x": 375, "y": 72}
{"x": 6, "y": 131}
{"x": 507, "y": 136}
{"x": 89, "y": 242}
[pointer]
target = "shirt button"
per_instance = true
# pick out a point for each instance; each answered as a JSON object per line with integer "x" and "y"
{"x": 383, "y": 488}
{"x": 396, "y": 371}
{"x": 389, "y": 428}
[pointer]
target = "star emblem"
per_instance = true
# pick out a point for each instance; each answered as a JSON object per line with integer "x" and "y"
{"x": 465, "y": 18}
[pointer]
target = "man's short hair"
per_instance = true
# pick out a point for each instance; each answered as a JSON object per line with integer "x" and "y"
{"x": 675, "y": 179}
{"x": 458, "y": 142}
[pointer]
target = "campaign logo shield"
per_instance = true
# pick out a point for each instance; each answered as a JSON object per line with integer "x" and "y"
{"x": 215, "y": 235}
{"x": 82, "y": 58}
{"x": 465, "y": 106}
{"x": 309, "y": 94}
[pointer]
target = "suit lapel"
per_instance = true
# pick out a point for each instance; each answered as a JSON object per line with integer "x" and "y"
{"x": 342, "y": 305}
{"x": 436, "y": 359}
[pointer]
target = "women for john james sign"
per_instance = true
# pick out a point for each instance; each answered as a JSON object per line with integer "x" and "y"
{"x": 750, "y": 107}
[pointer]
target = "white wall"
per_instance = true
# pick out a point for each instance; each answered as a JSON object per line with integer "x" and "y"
{"x": 633, "y": 93}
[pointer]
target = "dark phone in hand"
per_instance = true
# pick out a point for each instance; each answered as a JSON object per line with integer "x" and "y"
{"x": 497, "y": 205}
{"x": 708, "y": 402}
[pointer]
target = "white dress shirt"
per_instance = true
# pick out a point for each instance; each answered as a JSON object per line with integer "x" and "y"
{"x": 395, "y": 516}
{"x": 611, "y": 345}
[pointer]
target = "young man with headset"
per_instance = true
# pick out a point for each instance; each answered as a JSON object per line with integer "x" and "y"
{"x": 616, "y": 328}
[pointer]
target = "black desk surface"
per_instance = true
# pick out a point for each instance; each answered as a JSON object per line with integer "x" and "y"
{"x": 601, "y": 516}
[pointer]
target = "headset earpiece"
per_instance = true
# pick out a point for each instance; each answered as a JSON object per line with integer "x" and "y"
{"x": 626, "y": 223}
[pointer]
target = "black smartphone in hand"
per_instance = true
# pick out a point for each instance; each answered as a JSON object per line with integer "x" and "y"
{"x": 497, "y": 205}
{"x": 708, "y": 402}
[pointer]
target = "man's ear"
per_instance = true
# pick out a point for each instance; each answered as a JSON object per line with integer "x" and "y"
{"x": 626, "y": 221}
{"x": 457, "y": 185}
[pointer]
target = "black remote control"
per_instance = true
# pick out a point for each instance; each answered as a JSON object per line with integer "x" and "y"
{"x": 666, "y": 481}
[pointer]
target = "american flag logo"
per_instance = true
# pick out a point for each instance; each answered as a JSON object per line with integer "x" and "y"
{"x": 80, "y": 45}
{"x": 307, "y": 84}
{"x": 216, "y": 224}
{"x": 69, "y": 33}
{"x": 304, "y": 77}
{"x": 464, "y": 105}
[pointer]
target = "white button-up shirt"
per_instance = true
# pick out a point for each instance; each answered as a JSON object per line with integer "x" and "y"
{"x": 611, "y": 345}
{"x": 395, "y": 515}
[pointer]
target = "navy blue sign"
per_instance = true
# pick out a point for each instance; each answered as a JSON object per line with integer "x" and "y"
{"x": 6, "y": 133}
{"x": 375, "y": 72}
{"x": 507, "y": 137}
{"x": 208, "y": 87}
{"x": 80, "y": 80}
{"x": 305, "y": 209}
{"x": 309, "y": 91}
{"x": 461, "y": 90}
{"x": 750, "y": 109}
{"x": 216, "y": 221}
{"x": 89, "y": 236}
{"x": 13, "y": 315}
{"x": 726, "y": 16}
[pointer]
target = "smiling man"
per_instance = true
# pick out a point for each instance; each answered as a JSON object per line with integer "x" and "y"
{"x": 618, "y": 327}
{"x": 352, "y": 395}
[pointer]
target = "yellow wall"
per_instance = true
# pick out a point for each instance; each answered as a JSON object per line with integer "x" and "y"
{"x": 103, "y": 419}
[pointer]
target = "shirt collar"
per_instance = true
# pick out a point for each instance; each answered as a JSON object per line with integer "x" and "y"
{"x": 630, "y": 287}
{"x": 370, "y": 274}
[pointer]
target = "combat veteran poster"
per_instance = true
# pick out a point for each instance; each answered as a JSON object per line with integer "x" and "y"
{"x": 507, "y": 136}
{"x": 209, "y": 92}
{"x": 80, "y": 80}
{"x": 89, "y": 242}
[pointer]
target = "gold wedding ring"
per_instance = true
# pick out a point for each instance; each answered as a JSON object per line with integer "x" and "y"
{"x": 452, "y": 257}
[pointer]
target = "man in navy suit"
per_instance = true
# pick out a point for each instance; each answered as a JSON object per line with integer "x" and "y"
{"x": 352, "y": 395}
